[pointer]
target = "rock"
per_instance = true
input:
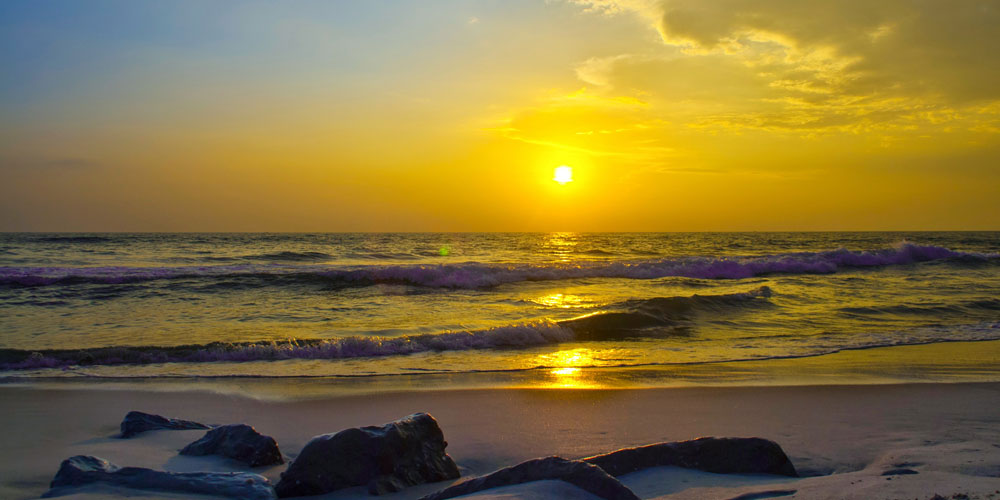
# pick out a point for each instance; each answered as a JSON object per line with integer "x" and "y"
{"x": 137, "y": 422}
{"x": 718, "y": 455}
{"x": 239, "y": 442}
{"x": 585, "y": 476}
{"x": 403, "y": 453}
{"x": 82, "y": 470}
{"x": 899, "y": 472}
{"x": 758, "y": 495}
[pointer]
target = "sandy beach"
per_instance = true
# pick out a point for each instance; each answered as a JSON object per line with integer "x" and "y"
{"x": 840, "y": 438}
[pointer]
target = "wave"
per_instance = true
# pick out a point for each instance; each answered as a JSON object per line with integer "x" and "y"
{"x": 529, "y": 334}
{"x": 935, "y": 310}
{"x": 539, "y": 333}
{"x": 661, "y": 316}
{"x": 372, "y": 255}
{"x": 75, "y": 239}
{"x": 291, "y": 256}
{"x": 472, "y": 275}
{"x": 635, "y": 318}
{"x": 597, "y": 251}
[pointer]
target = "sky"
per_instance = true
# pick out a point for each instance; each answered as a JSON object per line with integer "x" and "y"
{"x": 675, "y": 115}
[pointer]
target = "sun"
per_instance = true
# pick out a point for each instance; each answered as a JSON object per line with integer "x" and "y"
{"x": 564, "y": 174}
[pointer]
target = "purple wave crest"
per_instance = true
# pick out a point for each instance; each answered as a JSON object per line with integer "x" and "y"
{"x": 528, "y": 334}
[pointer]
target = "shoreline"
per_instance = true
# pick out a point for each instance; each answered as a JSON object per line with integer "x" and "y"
{"x": 841, "y": 437}
{"x": 942, "y": 362}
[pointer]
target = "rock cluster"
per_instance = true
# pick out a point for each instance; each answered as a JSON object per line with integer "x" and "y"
{"x": 403, "y": 453}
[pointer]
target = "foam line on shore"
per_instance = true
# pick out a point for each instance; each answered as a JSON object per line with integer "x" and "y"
{"x": 982, "y": 332}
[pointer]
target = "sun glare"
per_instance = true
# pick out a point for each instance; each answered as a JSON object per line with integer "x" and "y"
{"x": 564, "y": 174}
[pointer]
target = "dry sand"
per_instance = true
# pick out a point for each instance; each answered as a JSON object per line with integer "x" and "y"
{"x": 842, "y": 437}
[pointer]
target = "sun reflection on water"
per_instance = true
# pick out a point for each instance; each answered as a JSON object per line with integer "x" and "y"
{"x": 562, "y": 301}
{"x": 562, "y": 246}
{"x": 569, "y": 358}
{"x": 567, "y": 369}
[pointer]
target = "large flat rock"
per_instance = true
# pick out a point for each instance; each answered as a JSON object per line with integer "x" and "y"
{"x": 83, "y": 470}
{"x": 582, "y": 475}
{"x": 710, "y": 454}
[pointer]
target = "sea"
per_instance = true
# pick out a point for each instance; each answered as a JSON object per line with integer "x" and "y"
{"x": 545, "y": 309}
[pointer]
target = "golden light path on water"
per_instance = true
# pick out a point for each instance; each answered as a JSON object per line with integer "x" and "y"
{"x": 562, "y": 246}
{"x": 564, "y": 301}
{"x": 567, "y": 372}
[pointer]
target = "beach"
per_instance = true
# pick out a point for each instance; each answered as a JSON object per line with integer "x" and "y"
{"x": 500, "y": 250}
{"x": 841, "y": 438}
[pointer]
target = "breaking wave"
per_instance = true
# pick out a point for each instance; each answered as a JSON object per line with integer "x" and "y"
{"x": 473, "y": 275}
{"x": 75, "y": 239}
{"x": 661, "y": 316}
{"x": 293, "y": 256}
{"x": 529, "y": 334}
{"x": 635, "y": 318}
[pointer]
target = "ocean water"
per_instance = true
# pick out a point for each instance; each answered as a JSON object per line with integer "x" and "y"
{"x": 374, "y": 304}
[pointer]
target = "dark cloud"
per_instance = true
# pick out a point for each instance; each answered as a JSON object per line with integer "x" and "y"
{"x": 855, "y": 66}
{"x": 913, "y": 46}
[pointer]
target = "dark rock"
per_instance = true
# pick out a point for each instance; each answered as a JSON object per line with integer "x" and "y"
{"x": 718, "y": 455}
{"x": 403, "y": 453}
{"x": 899, "y": 472}
{"x": 85, "y": 359}
{"x": 765, "y": 494}
{"x": 580, "y": 474}
{"x": 82, "y": 470}
{"x": 137, "y": 422}
{"x": 239, "y": 442}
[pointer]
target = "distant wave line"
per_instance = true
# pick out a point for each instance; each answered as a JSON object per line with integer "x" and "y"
{"x": 475, "y": 275}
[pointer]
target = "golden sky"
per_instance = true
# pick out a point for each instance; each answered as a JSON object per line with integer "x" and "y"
{"x": 676, "y": 115}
